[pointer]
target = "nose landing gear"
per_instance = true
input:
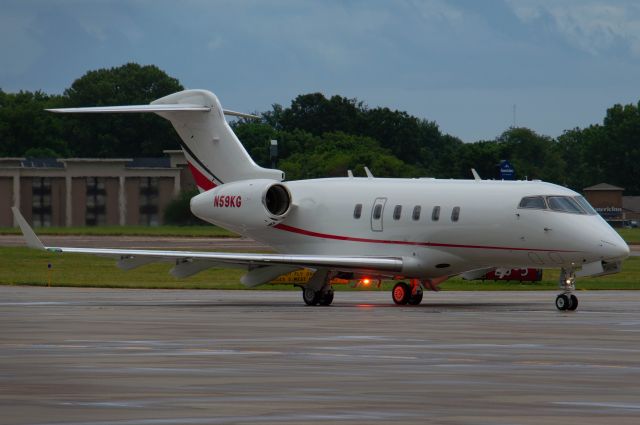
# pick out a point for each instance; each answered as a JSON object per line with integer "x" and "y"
{"x": 567, "y": 300}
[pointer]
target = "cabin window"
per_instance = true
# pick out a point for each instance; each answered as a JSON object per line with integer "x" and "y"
{"x": 357, "y": 211}
{"x": 377, "y": 212}
{"x": 455, "y": 214}
{"x": 397, "y": 211}
{"x": 435, "y": 215}
{"x": 564, "y": 204}
{"x": 416, "y": 213}
{"x": 533, "y": 202}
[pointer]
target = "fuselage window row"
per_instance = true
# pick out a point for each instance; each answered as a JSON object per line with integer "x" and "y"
{"x": 415, "y": 215}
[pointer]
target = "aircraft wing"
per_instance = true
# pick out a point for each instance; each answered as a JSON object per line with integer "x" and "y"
{"x": 191, "y": 262}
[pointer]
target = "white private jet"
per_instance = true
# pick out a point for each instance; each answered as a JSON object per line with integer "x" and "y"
{"x": 418, "y": 230}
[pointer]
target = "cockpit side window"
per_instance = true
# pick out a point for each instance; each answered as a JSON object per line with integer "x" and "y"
{"x": 585, "y": 205}
{"x": 564, "y": 204}
{"x": 533, "y": 202}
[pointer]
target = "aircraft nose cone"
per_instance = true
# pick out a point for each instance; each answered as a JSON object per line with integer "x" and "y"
{"x": 615, "y": 251}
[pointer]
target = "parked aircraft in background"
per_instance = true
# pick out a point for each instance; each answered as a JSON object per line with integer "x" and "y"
{"x": 419, "y": 232}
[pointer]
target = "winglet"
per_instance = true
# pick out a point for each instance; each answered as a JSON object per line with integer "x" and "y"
{"x": 28, "y": 233}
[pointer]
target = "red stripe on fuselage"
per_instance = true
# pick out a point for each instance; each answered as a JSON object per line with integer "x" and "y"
{"x": 201, "y": 180}
{"x": 390, "y": 242}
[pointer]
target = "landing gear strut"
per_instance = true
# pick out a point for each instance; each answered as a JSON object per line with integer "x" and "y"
{"x": 567, "y": 300}
{"x": 318, "y": 290}
{"x": 404, "y": 293}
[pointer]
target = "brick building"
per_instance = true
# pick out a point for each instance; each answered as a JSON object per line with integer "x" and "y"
{"x": 90, "y": 191}
{"x": 612, "y": 205}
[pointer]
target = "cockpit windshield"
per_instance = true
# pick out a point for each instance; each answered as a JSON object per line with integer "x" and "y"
{"x": 586, "y": 205}
{"x": 566, "y": 204}
{"x": 534, "y": 202}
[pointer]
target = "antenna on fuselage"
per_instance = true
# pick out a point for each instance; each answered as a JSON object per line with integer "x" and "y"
{"x": 350, "y": 174}
{"x": 476, "y": 176}
{"x": 369, "y": 175}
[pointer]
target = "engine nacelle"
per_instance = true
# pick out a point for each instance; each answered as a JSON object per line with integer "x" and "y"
{"x": 244, "y": 204}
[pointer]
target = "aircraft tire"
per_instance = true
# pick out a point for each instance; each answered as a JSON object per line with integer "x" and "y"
{"x": 573, "y": 305}
{"x": 310, "y": 296}
{"x": 562, "y": 302}
{"x": 401, "y": 293}
{"x": 417, "y": 298}
{"x": 326, "y": 298}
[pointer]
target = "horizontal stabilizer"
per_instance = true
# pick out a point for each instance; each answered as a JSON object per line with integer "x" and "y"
{"x": 133, "y": 108}
{"x": 176, "y": 107}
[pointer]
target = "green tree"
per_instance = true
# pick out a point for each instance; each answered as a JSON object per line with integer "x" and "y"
{"x": 120, "y": 135}
{"x": 620, "y": 147}
{"x": 25, "y": 125}
{"x": 316, "y": 114}
{"x": 178, "y": 212}
{"x": 533, "y": 156}
{"x": 335, "y": 153}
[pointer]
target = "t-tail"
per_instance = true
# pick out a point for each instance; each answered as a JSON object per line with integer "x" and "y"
{"x": 214, "y": 153}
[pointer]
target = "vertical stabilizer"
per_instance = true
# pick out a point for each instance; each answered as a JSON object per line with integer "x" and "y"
{"x": 214, "y": 153}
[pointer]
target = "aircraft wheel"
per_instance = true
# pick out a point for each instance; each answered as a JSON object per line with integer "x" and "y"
{"x": 401, "y": 293}
{"x": 326, "y": 298}
{"x": 310, "y": 296}
{"x": 417, "y": 298}
{"x": 573, "y": 304}
{"x": 563, "y": 302}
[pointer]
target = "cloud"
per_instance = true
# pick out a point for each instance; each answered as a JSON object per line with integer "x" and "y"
{"x": 18, "y": 44}
{"x": 591, "y": 26}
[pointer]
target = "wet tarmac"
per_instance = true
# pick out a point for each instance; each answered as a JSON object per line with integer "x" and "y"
{"x": 102, "y": 356}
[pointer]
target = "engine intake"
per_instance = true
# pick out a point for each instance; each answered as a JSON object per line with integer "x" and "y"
{"x": 277, "y": 200}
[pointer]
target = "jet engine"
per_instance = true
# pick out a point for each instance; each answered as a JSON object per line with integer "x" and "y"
{"x": 245, "y": 204}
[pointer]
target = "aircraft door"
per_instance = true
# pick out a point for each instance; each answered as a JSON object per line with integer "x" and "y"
{"x": 377, "y": 214}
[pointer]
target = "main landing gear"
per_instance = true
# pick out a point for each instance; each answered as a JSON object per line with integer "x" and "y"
{"x": 567, "y": 300}
{"x": 313, "y": 297}
{"x": 318, "y": 290}
{"x": 404, "y": 293}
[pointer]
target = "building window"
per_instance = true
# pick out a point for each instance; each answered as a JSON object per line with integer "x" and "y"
{"x": 96, "y": 202}
{"x": 41, "y": 205}
{"x": 357, "y": 211}
{"x": 416, "y": 213}
{"x": 149, "y": 201}
{"x": 397, "y": 211}
{"x": 455, "y": 214}
{"x": 435, "y": 215}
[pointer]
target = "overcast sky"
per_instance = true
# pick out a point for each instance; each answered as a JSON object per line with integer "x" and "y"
{"x": 461, "y": 63}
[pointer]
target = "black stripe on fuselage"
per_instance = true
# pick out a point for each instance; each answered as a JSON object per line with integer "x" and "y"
{"x": 200, "y": 163}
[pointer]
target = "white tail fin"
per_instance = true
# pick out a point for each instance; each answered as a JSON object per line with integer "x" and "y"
{"x": 214, "y": 153}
